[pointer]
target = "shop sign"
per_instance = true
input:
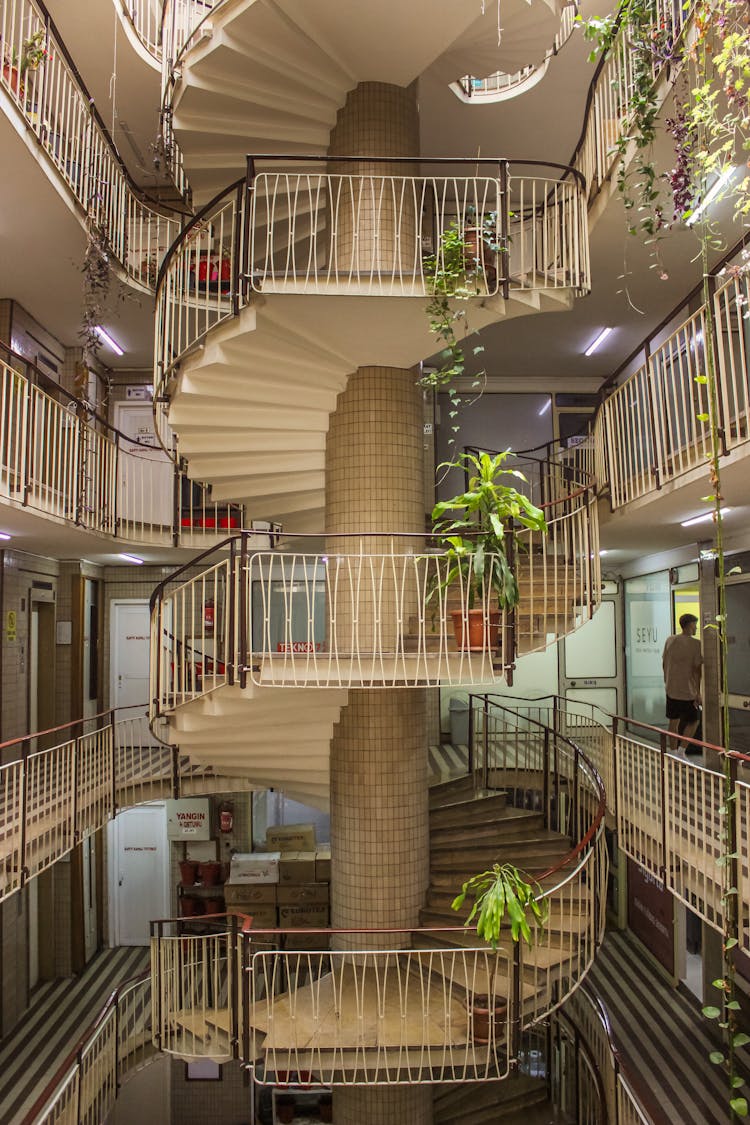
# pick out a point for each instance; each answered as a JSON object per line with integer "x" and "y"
{"x": 651, "y": 914}
{"x": 188, "y": 819}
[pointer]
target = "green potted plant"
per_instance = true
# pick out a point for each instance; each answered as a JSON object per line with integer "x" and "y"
{"x": 479, "y": 530}
{"x": 499, "y": 893}
{"x": 15, "y": 66}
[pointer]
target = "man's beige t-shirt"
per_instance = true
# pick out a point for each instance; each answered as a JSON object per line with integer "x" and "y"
{"x": 682, "y": 662}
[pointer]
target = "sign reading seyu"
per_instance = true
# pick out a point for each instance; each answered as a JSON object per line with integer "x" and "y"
{"x": 188, "y": 819}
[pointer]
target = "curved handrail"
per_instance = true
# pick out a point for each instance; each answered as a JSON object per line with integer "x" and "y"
{"x": 70, "y": 130}
{"x": 518, "y": 82}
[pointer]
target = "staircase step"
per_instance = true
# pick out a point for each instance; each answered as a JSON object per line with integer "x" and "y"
{"x": 519, "y": 1093}
{"x": 486, "y": 820}
{"x": 452, "y": 791}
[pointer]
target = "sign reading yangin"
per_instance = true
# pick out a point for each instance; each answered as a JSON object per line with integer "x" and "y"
{"x": 188, "y": 819}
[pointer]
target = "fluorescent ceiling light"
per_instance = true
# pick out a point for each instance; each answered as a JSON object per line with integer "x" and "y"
{"x": 710, "y": 195}
{"x": 598, "y": 341}
{"x": 703, "y": 518}
{"x": 105, "y": 336}
{"x": 4, "y": 535}
{"x": 132, "y": 559}
{"x": 546, "y": 406}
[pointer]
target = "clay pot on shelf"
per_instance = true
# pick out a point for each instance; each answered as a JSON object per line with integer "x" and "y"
{"x": 188, "y": 872}
{"x": 190, "y": 907}
{"x": 486, "y": 1023}
{"x": 210, "y": 873}
{"x": 476, "y": 631}
{"x": 214, "y": 905}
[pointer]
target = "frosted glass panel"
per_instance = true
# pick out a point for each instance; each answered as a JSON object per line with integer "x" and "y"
{"x": 590, "y": 651}
{"x": 738, "y": 638}
{"x": 648, "y": 623}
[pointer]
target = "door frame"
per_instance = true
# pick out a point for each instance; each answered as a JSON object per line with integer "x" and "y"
{"x": 113, "y": 853}
{"x": 113, "y": 639}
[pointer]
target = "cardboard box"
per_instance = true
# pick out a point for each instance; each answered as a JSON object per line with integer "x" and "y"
{"x": 297, "y": 867}
{"x": 314, "y": 894}
{"x": 291, "y": 838}
{"x": 264, "y": 917}
{"x": 302, "y": 940}
{"x": 255, "y": 867}
{"x": 323, "y": 865}
{"x": 250, "y": 894}
{"x": 303, "y": 917}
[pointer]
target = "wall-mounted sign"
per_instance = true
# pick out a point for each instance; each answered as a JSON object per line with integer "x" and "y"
{"x": 188, "y": 819}
{"x": 140, "y": 393}
{"x": 10, "y": 625}
{"x": 651, "y": 914}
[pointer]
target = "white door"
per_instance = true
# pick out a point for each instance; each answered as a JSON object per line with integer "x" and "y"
{"x": 88, "y": 864}
{"x": 130, "y": 641}
{"x": 591, "y": 664}
{"x": 138, "y": 875}
{"x": 145, "y": 478}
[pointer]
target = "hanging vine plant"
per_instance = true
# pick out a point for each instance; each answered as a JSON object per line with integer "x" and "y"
{"x": 96, "y": 284}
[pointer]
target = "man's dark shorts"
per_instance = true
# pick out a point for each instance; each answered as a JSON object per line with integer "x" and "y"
{"x": 684, "y": 709}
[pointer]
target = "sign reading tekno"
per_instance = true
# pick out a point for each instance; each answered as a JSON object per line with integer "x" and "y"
{"x": 188, "y": 819}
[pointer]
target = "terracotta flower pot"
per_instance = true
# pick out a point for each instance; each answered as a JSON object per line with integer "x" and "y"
{"x": 188, "y": 872}
{"x": 190, "y": 907}
{"x": 210, "y": 873}
{"x": 482, "y": 632}
{"x": 486, "y": 1023}
{"x": 214, "y": 905}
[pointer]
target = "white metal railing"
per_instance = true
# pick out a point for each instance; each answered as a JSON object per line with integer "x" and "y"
{"x": 612, "y": 89}
{"x": 116, "y": 1045}
{"x": 501, "y": 85}
{"x": 58, "y": 458}
{"x": 60, "y": 112}
{"x": 54, "y": 795}
{"x": 656, "y": 425}
{"x": 372, "y": 235}
{"x": 145, "y": 18}
{"x": 373, "y": 617}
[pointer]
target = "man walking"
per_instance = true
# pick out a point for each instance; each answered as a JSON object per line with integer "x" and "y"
{"x": 682, "y": 662}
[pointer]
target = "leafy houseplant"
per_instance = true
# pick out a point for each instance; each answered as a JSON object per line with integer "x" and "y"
{"x": 498, "y": 893}
{"x": 15, "y": 66}
{"x": 478, "y": 528}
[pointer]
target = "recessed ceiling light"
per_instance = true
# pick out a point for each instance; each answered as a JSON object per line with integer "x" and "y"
{"x": 4, "y": 535}
{"x": 132, "y": 559}
{"x": 710, "y": 195}
{"x": 546, "y": 406}
{"x": 703, "y": 518}
{"x": 598, "y": 341}
{"x": 105, "y": 336}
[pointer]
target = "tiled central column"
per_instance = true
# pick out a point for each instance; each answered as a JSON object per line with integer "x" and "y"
{"x": 374, "y": 483}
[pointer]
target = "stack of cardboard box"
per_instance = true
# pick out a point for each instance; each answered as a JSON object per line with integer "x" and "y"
{"x": 286, "y": 886}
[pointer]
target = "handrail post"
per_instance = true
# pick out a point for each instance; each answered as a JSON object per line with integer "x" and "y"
{"x": 470, "y": 748}
{"x": 176, "y": 501}
{"x": 24, "y": 871}
{"x": 243, "y": 610}
{"x": 231, "y": 657}
{"x": 176, "y": 773}
{"x": 545, "y": 781}
{"x": 663, "y": 786}
{"x": 234, "y": 1016}
{"x": 656, "y": 449}
{"x": 574, "y": 808}
{"x": 245, "y": 970}
{"x": 515, "y": 1015}
{"x": 156, "y": 982}
{"x": 248, "y": 195}
{"x": 237, "y": 272}
{"x": 485, "y": 742}
{"x": 113, "y": 760}
{"x": 75, "y": 780}
{"x": 615, "y": 772}
{"x": 504, "y": 229}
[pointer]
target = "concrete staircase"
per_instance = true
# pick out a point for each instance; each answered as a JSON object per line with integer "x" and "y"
{"x": 519, "y": 1099}
{"x": 270, "y": 75}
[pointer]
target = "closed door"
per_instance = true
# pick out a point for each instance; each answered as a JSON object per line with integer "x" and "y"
{"x": 138, "y": 872}
{"x": 88, "y": 863}
{"x": 145, "y": 480}
{"x": 130, "y": 647}
{"x": 591, "y": 661}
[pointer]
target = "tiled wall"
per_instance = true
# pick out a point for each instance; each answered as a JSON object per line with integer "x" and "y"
{"x": 195, "y": 1103}
{"x": 401, "y": 1105}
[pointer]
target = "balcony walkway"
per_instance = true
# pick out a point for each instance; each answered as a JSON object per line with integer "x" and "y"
{"x": 662, "y": 1035}
{"x": 59, "y": 1013}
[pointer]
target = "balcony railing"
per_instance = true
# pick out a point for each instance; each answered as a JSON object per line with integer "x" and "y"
{"x": 383, "y": 1007}
{"x": 59, "y": 457}
{"x": 59, "y": 786}
{"x": 378, "y": 611}
{"x": 368, "y": 235}
{"x": 668, "y": 810}
{"x": 501, "y": 85}
{"x": 656, "y": 425}
{"x": 59, "y": 110}
{"x": 117, "y": 1044}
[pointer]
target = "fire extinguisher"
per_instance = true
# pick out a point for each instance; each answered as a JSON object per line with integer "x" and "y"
{"x": 226, "y": 817}
{"x": 208, "y": 615}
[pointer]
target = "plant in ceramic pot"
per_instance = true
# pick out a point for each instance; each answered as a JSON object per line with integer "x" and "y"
{"x": 16, "y": 65}
{"x": 499, "y": 893}
{"x": 479, "y": 529}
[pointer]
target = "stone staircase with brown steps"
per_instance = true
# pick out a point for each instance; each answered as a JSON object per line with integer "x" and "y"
{"x": 519, "y": 1099}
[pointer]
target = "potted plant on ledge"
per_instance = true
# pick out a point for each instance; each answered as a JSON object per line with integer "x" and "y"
{"x": 478, "y": 528}
{"x": 499, "y": 893}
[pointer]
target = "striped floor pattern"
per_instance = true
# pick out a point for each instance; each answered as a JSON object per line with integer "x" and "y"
{"x": 446, "y": 761}
{"x": 59, "y": 1013}
{"x": 662, "y": 1036}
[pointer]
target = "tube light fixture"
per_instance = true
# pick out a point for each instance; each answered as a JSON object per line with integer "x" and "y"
{"x": 711, "y": 194}
{"x": 703, "y": 518}
{"x": 546, "y": 406}
{"x": 107, "y": 339}
{"x": 598, "y": 341}
{"x": 131, "y": 559}
{"x": 4, "y": 535}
